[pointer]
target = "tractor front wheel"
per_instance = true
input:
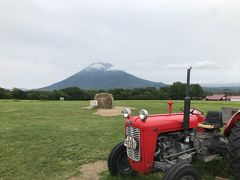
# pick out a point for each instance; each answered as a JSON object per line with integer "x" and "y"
{"x": 118, "y": 161}
{"x": 182, "y": 171}
{"x": 234, "y": 150}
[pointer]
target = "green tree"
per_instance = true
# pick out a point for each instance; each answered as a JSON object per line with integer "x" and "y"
{"x": 177, "y": 91}
{"x": 56, "y": 94}
{"x": 33, "y": 95}
{"x": 119, "y": 93}
{"x": 197, "y": 91}
{"x": 164, "y": 92}
{"x": 5, "y": 94}
{"x": 19, "y": 94}
{"x": 75, "y": 93}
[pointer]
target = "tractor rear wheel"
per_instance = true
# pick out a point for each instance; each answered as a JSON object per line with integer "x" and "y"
{"x": 182, "y": 171}
{"x": 234, "y": 150}
{"x": 118, "y": 161}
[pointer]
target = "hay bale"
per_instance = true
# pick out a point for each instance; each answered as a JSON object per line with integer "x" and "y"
{"x": 105, "y": 100}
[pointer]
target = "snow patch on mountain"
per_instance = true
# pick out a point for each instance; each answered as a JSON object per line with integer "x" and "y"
{"x": 99, "y": 66}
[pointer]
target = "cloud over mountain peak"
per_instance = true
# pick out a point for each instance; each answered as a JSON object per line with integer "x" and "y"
{"x": 100, "y": 66}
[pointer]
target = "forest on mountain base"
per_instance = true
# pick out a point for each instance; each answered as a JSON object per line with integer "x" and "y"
{"x": 175, "y": 91}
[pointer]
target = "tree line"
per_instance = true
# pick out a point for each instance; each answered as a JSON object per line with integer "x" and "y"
{"x": 176, "y": 91}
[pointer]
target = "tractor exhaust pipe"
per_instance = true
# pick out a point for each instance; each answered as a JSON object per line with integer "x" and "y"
{"x": 187, "y": 103}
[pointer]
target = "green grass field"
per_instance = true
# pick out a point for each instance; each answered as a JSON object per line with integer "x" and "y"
{"x": 51, "y": 139}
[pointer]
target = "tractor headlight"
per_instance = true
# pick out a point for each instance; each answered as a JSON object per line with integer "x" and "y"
{"x": 126, "y": 113}
{"x": 143, "y": 114}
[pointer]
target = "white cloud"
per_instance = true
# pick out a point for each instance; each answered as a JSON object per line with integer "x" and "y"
{"x": 207, "y": 65}
{"x": 61, "y": 36}
{"x": 24, "y": 74}
{"x": 202, "y": 65}
{"x": 177, "y": 66}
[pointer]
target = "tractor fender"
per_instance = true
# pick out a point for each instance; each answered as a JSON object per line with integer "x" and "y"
{"x": 235, "y": 118}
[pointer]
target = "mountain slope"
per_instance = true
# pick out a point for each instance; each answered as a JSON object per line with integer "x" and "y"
{"x": 103, "y": 76}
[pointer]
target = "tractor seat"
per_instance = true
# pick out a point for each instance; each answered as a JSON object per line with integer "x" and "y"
{"x": 213, "y": 120}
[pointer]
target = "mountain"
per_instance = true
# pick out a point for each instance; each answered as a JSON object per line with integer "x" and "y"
{"x": 217, "y": 90}
{"x": 102, "y": 76}
{"x": 221, "y": 88}
{"x": 222, "y": 85}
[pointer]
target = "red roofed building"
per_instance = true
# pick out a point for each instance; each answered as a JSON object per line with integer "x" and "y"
{"x": 222, "y": 97}
{"x": 216, "y": 97}
{"x": 232, "y": 98}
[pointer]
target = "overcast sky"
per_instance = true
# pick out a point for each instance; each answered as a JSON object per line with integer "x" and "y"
{"x": 45, "y": 41}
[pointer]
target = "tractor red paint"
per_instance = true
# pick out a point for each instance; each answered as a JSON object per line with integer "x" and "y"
{"x": 151, "y": 128}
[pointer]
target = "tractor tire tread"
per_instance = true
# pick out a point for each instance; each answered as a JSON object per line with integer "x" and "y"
{"x": 112, "y": 167}
{"x": 177, "y": 170}
{"x": 234, "y": 150}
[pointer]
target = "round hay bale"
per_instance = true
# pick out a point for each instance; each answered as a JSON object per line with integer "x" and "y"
{"x": 105, "y": 100}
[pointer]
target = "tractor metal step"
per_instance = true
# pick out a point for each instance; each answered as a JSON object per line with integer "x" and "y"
{"x": 220, "y": 178}
{"x": 210, "y": 157}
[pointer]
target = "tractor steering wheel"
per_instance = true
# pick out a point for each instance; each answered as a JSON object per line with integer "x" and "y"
{"x": 196, "y": 111}
{"x": 193, "y": 111}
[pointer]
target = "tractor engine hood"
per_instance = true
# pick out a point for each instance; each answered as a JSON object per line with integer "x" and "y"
{"x": 163, "y": 122}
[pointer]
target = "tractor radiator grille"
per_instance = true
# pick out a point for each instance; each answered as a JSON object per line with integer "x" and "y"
{"x": 134, "y": 154}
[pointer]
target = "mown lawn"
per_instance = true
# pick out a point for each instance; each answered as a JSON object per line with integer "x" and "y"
{"x": 51, "y": 139}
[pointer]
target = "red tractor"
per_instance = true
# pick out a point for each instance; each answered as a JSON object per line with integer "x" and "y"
{"x": 169, "y": 142}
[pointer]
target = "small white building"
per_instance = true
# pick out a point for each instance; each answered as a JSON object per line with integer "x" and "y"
{"x": 93, "y": 103}
{"x": 233, "y": 98}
